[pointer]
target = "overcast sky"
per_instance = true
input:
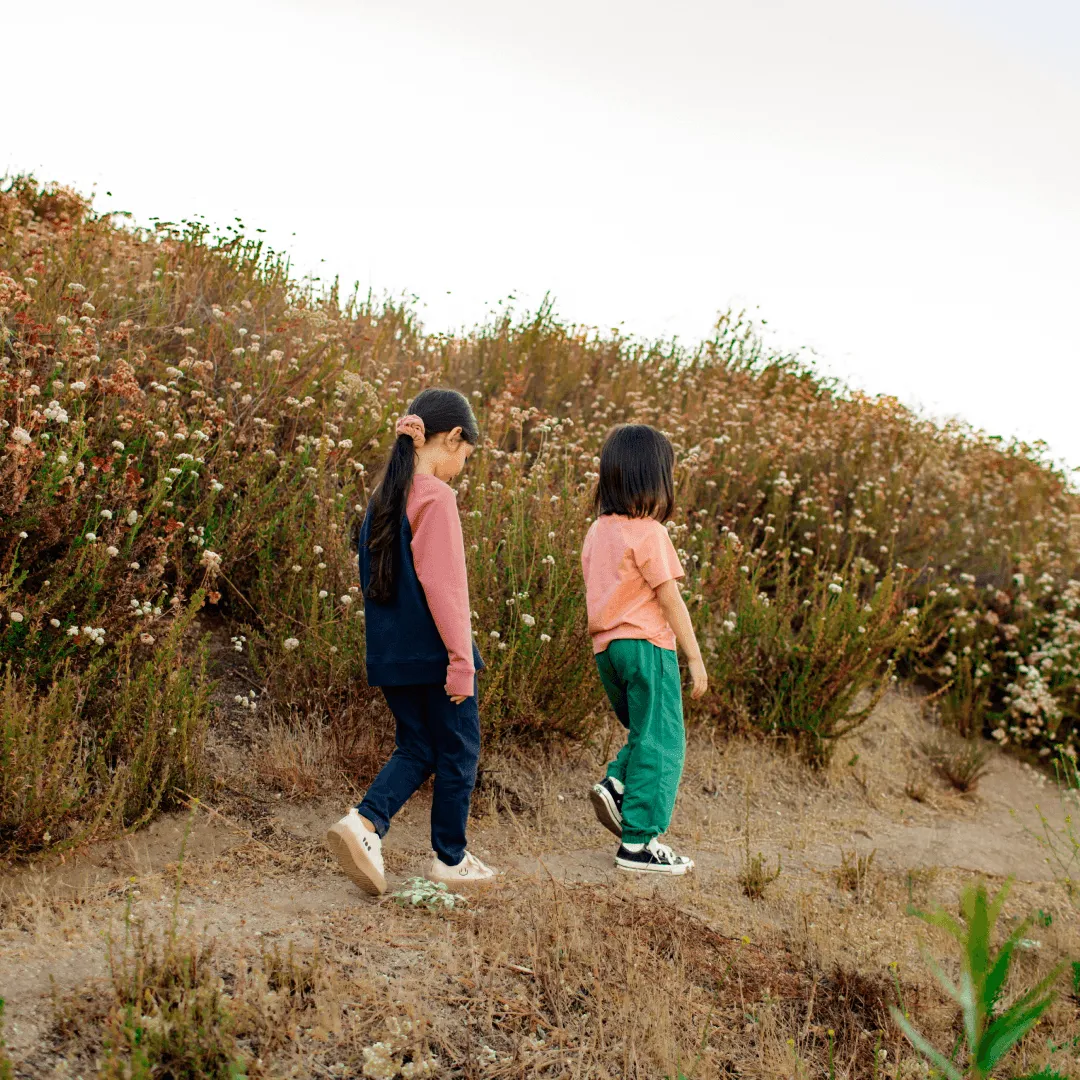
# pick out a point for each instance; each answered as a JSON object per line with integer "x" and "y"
{"x": 894, "y": 184}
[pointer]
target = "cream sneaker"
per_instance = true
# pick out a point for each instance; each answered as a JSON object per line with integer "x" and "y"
{"x": 470, "y": 871}
{"x": 358, "y": 850}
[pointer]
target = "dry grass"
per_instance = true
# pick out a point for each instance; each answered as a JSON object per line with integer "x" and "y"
{"x": 916, "y": 787}
{"x": 574, "y": 972}
{"x": 541, "y": 980}
{"x": 297, "y": 760}
{"x": 961, "y": 762}
{"x": 853, "y": 873}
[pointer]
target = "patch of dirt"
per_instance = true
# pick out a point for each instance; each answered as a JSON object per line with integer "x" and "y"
{"x": 247, "y": 867}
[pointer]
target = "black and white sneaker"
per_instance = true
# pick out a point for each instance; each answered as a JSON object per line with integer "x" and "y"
{"x": 607, "y": 802}
{"x": 653, "y": 858}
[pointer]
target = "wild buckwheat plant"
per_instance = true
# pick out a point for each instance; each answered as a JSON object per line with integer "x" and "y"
{"x": 184, "y": 430}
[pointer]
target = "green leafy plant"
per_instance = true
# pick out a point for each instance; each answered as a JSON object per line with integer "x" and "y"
{"x": 988, "y": 1034}
{"x": 430, "y": 895}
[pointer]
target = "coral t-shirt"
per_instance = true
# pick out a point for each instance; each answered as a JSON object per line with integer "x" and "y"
{"x": 625, "y": 560}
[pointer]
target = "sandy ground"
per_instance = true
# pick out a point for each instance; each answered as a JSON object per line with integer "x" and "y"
{"x": 254, "y": 868}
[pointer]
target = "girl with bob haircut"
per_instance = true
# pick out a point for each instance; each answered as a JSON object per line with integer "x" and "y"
{"x": 420, "y": 648}
{"x": 636, "y": 618}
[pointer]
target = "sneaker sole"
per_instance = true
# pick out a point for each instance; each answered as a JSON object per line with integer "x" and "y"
{"x": 653, "y": 868}
{"x": 355, "y": 861}
{"x": 458, "y": 884}
{"x": 607, "y": 813}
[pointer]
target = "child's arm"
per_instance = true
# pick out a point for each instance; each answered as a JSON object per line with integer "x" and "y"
{"x": 674, "y": 609}
{"x": 438, "y": 550}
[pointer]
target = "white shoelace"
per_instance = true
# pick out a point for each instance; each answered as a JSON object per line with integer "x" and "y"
{"x": 662, "y": 851}
{"x": 473, "y": 861}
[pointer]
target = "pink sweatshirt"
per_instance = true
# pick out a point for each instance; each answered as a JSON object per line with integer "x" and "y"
{"x": 438, "y": 551}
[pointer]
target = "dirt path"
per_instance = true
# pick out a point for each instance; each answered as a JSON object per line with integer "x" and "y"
{"x": 265, "y": 876}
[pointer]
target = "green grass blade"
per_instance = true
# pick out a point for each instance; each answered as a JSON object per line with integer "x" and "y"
{"x": 994, "y": 911}
{"x": 925, "y": 1047}
{"x": 977, "y": 951}
{"x": 970, "y": 1003}
{"x": 997, "y": 975}
{"x": 1006, "y": 1031}
{"x": 947, "y": 984}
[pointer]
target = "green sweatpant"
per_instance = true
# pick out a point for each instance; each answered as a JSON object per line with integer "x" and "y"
{"x": 642, "y": 682}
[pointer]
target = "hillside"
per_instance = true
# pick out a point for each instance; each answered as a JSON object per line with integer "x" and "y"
{"x": 188, "y": 438}
{"x": 563, "y": 969}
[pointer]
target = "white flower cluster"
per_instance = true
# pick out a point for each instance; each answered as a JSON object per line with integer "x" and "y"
{"x": 1034, "y": 707}
{"x": 143, "y": 609}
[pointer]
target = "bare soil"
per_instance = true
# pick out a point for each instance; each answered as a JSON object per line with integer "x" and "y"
{"x": 246, "y": 867}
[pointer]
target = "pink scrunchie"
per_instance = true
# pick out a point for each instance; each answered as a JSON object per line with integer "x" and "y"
{"x": 412, "y": 426}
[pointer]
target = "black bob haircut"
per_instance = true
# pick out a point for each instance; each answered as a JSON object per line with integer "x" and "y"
{"x": 636, "y": 474}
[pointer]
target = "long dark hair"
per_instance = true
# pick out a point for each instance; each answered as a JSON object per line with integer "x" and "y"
{"x": 636, "y": 474}
{"x": 441, "y": 410}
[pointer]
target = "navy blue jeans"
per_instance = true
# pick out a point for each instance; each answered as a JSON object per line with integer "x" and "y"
{"x": 433, "y": 736}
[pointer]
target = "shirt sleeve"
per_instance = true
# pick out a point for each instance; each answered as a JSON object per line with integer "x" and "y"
{"x": 656, "y": 558}
{"x": 438, "y": 550}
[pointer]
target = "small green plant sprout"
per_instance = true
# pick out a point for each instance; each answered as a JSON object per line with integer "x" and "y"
{"x": 755, "y": 876}
{"x": 988, "y": 1034}
{"x": 432, "y": 896}
{"x": 854, "y": 870}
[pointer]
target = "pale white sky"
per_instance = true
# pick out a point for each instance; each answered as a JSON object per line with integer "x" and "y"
{"x": 893, "y": 183}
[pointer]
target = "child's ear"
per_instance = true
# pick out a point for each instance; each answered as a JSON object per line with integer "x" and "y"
{"x": 453, "y": 438}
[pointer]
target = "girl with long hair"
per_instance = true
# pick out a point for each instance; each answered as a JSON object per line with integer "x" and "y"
{"x": 420, "y": 648}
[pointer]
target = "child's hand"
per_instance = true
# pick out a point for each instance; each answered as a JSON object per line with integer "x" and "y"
{"x": 457, "y": 699}
{"x": 700, "y": 678}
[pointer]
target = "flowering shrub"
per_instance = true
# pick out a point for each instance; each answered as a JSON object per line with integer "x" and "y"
{"x": 184, "y": 427}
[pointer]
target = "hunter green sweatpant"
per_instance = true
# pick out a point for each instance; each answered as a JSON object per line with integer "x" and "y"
{"x": 643, "y": 685}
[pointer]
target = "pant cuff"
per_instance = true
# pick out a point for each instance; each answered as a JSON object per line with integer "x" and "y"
{"x": 636, "y": 837}
{"x": 376, "y": 819}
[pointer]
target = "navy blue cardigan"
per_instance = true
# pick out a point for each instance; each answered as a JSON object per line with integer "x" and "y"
{"x": 402, "y": 641}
